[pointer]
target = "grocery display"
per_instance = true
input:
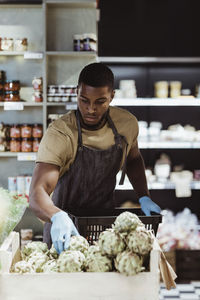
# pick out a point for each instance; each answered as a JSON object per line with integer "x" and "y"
{"x": 20, "y": 137}
{"x": 85, "y": 42}
{"x": 61, "y": 93}
{"x": 10, "y": 44}
{"x": 114, "y": 248}
{"x": 19, "y": 184}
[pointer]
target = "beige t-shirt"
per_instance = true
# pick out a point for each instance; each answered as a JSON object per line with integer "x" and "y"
{"x": 59, "y": 143}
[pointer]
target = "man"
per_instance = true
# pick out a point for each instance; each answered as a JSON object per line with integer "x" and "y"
{"x": 80, "y": 155}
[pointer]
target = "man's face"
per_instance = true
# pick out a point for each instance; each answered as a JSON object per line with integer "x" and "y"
{"x": 93, "y": 102}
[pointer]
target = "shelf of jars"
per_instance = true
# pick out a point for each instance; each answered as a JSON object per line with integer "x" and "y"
{"x": 72, "y": 53}
{"x": 167, "y": 185}
{"x": 21, "y": 156}
{"x": 169, "y": 145}
{"x": 155, "y": 102}
{"x": 72, "y": 4}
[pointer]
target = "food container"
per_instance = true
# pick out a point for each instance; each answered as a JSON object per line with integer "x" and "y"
{"x": 89, "y": 42}
{"x": 15, "y": 145}
{"x": 7, "y": 44}
{"x": 12, "y": 184}
{"x": 78, "y": 44}
{"x": 12, "y": 85}
{"x": 27, "y": 185}
{"x": 37, "y": 83}
{"x": 26, "y": 131}
{"x": 21, "y": 185}
{"x": 36, "y": 143}
{"x": 12, "y": 96}
{"x": 37, "y": 96}
{"x": 3, "y": 147}
{"x": 27, "y": 145}
{"x": 161, "y": 89}
{"x": 1, "y": 96}
{"x": 21, "y": 45}
{"x": 105, "y": 286}
{"x": 175, "y": 89}
{"x": 37, "y": 130}
{"x": 52, "y": 89}
{"x": 15, "y": 131}
{"x": 1, "y": 86}
{"x": 2, "y": 75}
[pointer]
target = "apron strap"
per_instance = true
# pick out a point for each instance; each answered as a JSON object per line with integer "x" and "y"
{"x": 80, "y": 142}
{"x": 118, "y": 139}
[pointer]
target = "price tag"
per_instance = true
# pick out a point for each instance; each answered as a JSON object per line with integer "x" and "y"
{"x": 71, "y": 106}
{"x": 26, "y": 156}
{"x": 33, "y": 55}
{"x": 13, "y": 106}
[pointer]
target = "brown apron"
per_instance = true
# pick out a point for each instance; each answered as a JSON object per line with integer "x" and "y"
{"x": 91, "y": 179}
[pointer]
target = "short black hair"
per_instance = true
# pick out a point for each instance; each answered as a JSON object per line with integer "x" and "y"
{"x": 96, "y": 75}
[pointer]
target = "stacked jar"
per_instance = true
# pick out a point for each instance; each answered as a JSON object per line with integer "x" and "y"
{"x": 85, "y": 42}
{"x": 61, "y": 93}
{"x": 11, "y": 90}
{"x": 38, "y": 89}
{"x": 25, "y": 137}
{"x": 2, "y": 78}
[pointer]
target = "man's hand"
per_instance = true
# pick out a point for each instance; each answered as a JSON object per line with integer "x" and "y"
{"x": 61, "y": 230}
{"x": 147, "y": 205}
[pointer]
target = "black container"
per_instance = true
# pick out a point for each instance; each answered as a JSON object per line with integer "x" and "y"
{"x": 90, "y": 223}
{"x": 187, "y": 265}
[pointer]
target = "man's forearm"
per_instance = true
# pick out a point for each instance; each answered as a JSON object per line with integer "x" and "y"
{"x": 136, "y": 175}
{"x": 42, "y": 205}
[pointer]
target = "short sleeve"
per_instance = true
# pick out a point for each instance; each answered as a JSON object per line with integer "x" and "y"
{"x": 135, "y": 131}
{"x": 55, "y": 148}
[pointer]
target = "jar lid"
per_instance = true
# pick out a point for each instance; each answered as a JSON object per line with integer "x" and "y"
{"x": 12, "y": 81}
{"x": 36, "y": 124}
{"x": 37, "y": 139}
{"x": 26, "y": 124}
{"x": 12, "y": 92}
{"x": 26, "y": 139}
{"x": 1, "y": 92}
{"x": 15, "y": 139}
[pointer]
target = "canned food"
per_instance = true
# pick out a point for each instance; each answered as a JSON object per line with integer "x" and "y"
{"x": 20, "y": 185}
{"x": 12, "y": 185}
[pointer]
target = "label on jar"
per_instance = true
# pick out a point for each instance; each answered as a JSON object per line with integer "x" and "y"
{"x": 13, "y": 106}
{"x": 26, "y": 156}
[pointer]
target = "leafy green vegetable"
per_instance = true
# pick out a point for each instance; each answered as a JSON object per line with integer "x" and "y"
{"x": 12, "y": 208}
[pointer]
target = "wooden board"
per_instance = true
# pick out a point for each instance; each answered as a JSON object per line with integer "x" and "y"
{"x": 84, "y": 286}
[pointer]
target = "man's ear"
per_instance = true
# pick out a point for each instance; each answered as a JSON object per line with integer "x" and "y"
{"x": 112, "y": 95}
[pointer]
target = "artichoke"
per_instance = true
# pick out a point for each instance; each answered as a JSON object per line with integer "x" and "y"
{"x": 128, "y": 263}
{"x": 23, "y": 267}
{"x": 33, "y": 247}
{"x": 50, "y": 266}
{"x": 96, "y": 261}
{"x": 140, "y": 241}
{"x": 78, "y": 243}
{"x": 37, "y": 260}
{"x": 111, "y": 243}
{"x": 53, "y": 254}
{"x": 71, "y": 261}
{"x": 126, "y": 222}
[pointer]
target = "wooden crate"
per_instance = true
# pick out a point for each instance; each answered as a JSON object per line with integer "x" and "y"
{"x": 75, "y": 286}
{"x": 171, "y": 258}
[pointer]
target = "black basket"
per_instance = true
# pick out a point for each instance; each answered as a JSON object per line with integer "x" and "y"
{"x": 90, "y": 223}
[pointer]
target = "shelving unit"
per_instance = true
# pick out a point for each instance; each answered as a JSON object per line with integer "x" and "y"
{"x": 49, "y": 27}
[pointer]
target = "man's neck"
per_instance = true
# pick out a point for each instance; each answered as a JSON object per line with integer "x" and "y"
{"x": 97, "y": 126}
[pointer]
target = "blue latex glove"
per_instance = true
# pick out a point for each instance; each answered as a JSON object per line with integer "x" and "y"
{"x": 61, "y": 230}
{"x": 147, "y": 205}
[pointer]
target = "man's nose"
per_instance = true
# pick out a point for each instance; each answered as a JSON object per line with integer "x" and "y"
{"x": 91, "y": 108}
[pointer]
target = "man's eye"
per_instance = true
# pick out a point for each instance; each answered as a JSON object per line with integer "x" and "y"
{"x": 101, "y": 102}
{"x": 84, "y": 100}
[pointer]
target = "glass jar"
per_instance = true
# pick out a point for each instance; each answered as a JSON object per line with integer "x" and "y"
{"x": 36, "y": 143}
{"x": 1, "y": 85}
{"x": 11, "y": 96}
{"x": 26, "y": 131}
{"x": 12, "y": 85}
{"x": 1, "y": 96}
{"x": 77, "y": 42}
{"x": 21, "y": 44}
{"x": 52, "y": 89}
{"x": 27, "y": 145}
{"x": 37, "y": 130}
{"x": 37, "y": 83}
{"x": 15, "y": 145}
{"x": 37, "y": 96}
{"x": 7, "y": 44}
{"x": 15, "y": 131}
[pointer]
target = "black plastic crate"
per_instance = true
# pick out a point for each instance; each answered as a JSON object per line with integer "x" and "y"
{"x": 187, "y": 265}
{"x": 90, "y": 223}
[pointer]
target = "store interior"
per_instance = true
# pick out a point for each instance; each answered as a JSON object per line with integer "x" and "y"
{"x": 153, "y": 50}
